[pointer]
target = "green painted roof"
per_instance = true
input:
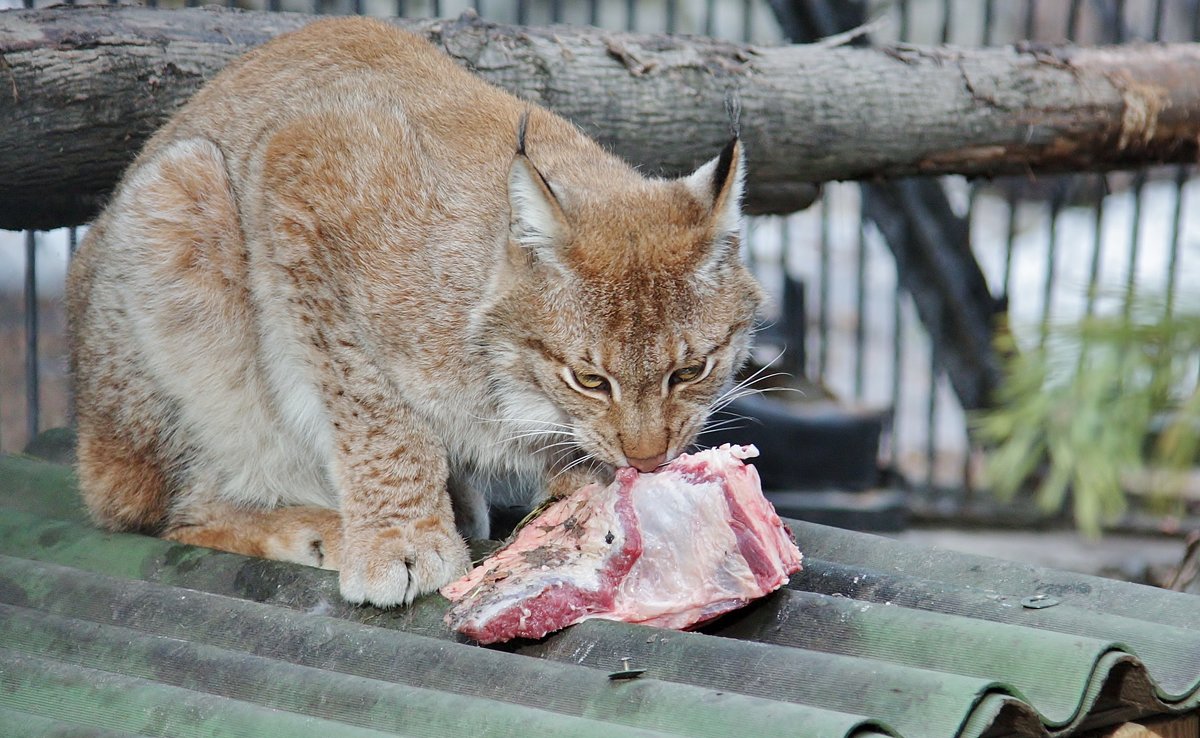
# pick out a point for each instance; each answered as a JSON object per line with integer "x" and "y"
{"x": 130, "y": 635}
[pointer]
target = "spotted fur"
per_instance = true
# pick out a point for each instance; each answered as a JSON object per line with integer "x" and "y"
{"x": 332, "y": 290}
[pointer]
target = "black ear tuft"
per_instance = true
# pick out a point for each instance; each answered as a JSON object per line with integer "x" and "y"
{"x": 733, "y": 108}
{"x": 724, "y": 166}
{"x": 521, "y": 126}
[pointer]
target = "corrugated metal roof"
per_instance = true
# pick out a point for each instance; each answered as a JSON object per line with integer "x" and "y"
{"x": 138, "y": 636}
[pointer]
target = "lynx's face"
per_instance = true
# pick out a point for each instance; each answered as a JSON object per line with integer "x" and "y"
{"x": 626, "y": 315}
{"x": 639, "y": 383}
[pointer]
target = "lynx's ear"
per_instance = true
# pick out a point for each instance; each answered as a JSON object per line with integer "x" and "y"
{"x": 536, "y": 219}
{"x": 719, "y": 184}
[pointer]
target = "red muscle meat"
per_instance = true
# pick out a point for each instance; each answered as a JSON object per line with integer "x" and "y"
{"x": 673, "y": 548}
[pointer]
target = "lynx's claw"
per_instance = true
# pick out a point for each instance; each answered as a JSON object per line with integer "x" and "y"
{"x": 393, "y": 566}
{"x": 310, "y": 536}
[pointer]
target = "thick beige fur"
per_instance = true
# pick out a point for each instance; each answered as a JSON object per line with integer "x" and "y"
{"x": 334, "y": 288}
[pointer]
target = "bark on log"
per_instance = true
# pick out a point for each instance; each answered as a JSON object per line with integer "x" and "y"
{"x": 81, "y": 88}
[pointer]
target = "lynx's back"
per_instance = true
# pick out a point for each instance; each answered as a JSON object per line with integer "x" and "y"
{"x": 350, "y": 276}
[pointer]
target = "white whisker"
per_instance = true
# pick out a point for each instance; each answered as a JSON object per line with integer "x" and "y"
{"x": 754, "y": 378}
{"x": 723, "y": 425}
{"x": 582, "y": 459}
{"x": 564, "y": 447}
{"x": 533, "y": 421}
{"x": 541, "y": 433}
{"x": 733, "y": 416}
{"x": 558, "y": 457}
{"x": 745, "y": 391}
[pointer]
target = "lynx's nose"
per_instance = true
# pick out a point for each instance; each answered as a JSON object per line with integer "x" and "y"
{"x": 648, "y": 464}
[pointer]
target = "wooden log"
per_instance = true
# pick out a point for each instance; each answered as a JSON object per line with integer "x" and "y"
{"x": 82, "y": 87}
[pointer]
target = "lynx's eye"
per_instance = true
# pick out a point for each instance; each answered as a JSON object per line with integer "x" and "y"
{"x": 689, "y": 373}
{"x": 591, "y": 384}
{"x": 591, "y": 381}
{"x": 588, "y": 383}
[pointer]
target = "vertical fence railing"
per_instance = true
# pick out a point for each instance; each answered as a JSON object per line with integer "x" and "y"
{"x": 1050, "y": 204}
{"x": 32, "y": 369}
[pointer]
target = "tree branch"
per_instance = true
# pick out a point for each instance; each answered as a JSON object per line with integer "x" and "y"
{"x": 81, "y": 88}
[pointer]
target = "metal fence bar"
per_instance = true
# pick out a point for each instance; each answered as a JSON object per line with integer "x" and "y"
{"x": 897, "y": 361}
{"x": 1181, "y": 178}
{"x": 1055, "y": 210}
{"x": 1010, "y": 237}
{"x": 968, "y": 446}
{"x": 1159, "y": 8}
{"x": 793, "y": 325}
{"x": 784, "y": 321}
{"x": 32, "y": 395}
{"x": 931, "y": 410}
{"x": 1097, "y": 245}
{"x": 1073, "y": 19}
{"x": 823, "y": 293}
{"x": 860, "y": 308}
{"x": 72, "y": 247}
{"x": 1135, "y": 242}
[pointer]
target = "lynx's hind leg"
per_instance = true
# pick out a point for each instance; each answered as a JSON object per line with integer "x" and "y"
{"x": 156, "y": 279}
{"x": 302, "y": 535}
{"x": 125, "y": 480}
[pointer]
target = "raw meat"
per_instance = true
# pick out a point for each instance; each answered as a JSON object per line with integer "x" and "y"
{"x": 673, "y": 548}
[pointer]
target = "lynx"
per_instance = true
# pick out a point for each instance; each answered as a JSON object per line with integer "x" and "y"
{"x": 349, "y": 279}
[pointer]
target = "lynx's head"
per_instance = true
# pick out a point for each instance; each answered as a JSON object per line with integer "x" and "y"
{"x": 622, "y": 310}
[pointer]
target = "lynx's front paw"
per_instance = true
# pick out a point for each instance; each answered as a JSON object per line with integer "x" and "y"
{"x": 393, "y": 566}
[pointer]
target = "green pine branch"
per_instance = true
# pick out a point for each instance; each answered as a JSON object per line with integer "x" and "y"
{"x": 1099, "y": 399}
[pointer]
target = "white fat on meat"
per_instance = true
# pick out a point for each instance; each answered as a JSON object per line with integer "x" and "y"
{"x": 673, "y": 548}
